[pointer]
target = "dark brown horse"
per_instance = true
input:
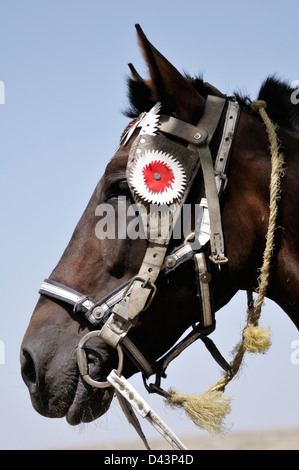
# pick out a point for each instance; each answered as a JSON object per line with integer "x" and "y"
{"x": 96, "y": 267}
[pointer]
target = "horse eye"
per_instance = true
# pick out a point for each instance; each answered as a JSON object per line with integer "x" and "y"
{"x": 118, "y": 188}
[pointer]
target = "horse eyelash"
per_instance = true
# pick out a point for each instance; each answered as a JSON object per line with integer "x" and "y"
{"x": 118, "y": 188}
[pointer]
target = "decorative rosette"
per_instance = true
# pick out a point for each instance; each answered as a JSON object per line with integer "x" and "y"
{"x": 157, "y": 178}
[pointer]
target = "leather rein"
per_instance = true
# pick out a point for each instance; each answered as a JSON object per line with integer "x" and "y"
{"x": 113, "y": 317}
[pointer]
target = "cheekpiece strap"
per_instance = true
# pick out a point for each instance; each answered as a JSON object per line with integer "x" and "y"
{"x": 160, "y": 173}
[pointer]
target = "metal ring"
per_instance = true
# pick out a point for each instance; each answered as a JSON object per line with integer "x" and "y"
{"x": 83, "y": 364}
{"x": 188, "y": 237}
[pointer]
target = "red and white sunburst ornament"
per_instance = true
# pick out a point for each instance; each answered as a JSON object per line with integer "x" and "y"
{"x": 158, "y": 178}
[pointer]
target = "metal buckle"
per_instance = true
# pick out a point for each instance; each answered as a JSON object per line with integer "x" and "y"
{"x": 216, "y": 259}
{"x": 145, "y": 283}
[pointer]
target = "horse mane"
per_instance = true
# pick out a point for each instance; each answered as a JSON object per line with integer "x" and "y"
{"x": 280, "y": 107}
{"x": 276, "y": 93}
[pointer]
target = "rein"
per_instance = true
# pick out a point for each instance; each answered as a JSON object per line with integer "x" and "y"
{"x": 117, "y": 313}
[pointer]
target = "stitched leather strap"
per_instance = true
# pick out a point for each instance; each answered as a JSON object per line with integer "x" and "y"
{"x": 203, "y": 225}
{"x": 213, "y": 111}
{"x": 195, "y": 135}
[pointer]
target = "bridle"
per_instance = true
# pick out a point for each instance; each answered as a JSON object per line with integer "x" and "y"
{"x": 177, "y": 165}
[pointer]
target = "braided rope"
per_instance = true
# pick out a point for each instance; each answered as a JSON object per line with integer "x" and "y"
{"x": 209, "y": 409}
{"x": 254, "y": 311}
{"x": 277, "y": 161}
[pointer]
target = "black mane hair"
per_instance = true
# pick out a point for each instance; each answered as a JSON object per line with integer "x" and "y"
{"x": 280, "y": 106}
{"x": 277, "y": 94}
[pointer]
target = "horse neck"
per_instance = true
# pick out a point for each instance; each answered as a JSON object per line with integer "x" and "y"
{"x": 245, "y": 217}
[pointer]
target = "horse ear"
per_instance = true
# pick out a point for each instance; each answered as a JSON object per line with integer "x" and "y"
{"x": 135, "y": 74}
{"x": 168, "y": 86}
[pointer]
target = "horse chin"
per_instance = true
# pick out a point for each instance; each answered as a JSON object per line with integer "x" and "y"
{"x": 88, "y": 404}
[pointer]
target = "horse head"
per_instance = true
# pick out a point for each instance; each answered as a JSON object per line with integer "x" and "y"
{"x": 105, "y": 254}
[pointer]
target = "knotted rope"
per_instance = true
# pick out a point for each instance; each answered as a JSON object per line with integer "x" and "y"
{"x": 209, "y": 409}
{"x": 277, "y": 161}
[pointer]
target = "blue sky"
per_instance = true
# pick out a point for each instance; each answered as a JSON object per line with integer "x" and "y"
{"x": 64, "y": 65}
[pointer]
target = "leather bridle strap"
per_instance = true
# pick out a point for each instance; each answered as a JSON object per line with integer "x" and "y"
{"x": 119, "y": 311}
{"x": 125, "y": 314}
{"x": 203, "y": 224}
{"x": 210, "y": 119}
{"x": 97, "y": 312}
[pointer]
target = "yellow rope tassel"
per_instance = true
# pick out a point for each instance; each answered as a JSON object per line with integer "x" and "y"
{"x": 209, "y": 409}
{"x": 206, "y": 411}
{"x": 257, "y": 339}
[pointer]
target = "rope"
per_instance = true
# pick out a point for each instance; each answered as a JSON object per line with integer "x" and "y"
{"x": 277, "y": 172}
{"x": 254, "y": 338}
{"x": 257, "y": 339}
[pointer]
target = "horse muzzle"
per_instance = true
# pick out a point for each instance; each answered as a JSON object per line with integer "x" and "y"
{"x": 50, "y": 371}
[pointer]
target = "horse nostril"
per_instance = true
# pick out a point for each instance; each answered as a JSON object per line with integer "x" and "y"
{"x": 28, "y": 369}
